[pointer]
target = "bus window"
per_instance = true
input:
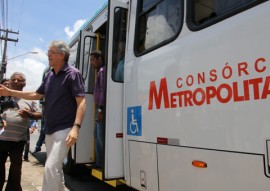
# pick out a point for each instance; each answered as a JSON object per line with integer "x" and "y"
{"x": 88, "y": 72}
{"x": 158, "y": 22}
{"x": 118, "y": 70}
{"x": 205, "y": 11}
{"x": 119, "y": 42}
{"x": 222, "y": 7}
{"x": 73, "y": 55}
{"x": 86, "y": 50}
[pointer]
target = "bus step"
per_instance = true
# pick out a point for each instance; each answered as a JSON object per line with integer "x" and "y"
{"x": 98, "y": 174}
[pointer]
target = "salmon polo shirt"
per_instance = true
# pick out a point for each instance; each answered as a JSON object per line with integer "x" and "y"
{"x": 60, "y": 91}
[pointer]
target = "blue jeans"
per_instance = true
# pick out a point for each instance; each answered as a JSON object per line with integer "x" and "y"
{"x": 41, "y": 137}
{"x": 99, "y": 142}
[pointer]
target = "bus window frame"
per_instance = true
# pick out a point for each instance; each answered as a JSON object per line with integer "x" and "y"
{"x": 121, "y": 38}
{"x": 139, "y": 14}
{"x": 196, "y": 27}
{"x": 83, "y": 52}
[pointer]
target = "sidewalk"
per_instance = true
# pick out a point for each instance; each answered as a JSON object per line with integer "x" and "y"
{"x": 32, "y": 171}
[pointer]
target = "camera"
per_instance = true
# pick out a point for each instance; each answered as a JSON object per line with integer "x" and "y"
{"x": 8, "y": 103}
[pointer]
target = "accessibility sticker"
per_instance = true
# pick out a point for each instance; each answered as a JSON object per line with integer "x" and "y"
{"x": 134, "y": 121}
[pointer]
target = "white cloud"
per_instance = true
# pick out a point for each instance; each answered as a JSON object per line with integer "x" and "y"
{"x": 41, "y": 39}
{"x": 70, "y": 32}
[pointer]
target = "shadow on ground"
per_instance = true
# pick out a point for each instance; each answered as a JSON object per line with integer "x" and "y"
{"x": 81, "y": 179}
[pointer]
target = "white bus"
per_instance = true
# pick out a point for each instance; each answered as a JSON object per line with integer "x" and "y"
{"x": 192, "y": 111}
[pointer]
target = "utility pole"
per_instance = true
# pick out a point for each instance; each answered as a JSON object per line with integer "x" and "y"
{"x": 4, "y": 61}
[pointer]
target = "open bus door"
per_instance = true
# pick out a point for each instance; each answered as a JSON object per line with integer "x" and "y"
{"x": 83, "y": 151}
{"x": 116, "y": 39}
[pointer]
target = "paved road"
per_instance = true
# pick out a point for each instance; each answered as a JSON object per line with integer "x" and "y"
{"x": 32, "y": 174}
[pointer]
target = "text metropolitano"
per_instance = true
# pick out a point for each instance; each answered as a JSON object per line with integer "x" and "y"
{"x": 252, "y": 89}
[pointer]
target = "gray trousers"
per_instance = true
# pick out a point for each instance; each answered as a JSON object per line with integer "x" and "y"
{"x": 56, "y": 148}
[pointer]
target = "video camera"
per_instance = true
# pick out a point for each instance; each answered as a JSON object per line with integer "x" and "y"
{"x": 8, "y": 102}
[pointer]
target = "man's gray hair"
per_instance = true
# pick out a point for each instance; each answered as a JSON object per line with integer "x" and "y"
{"x": 62, "y": 47}
{"x": 18, "y": 73}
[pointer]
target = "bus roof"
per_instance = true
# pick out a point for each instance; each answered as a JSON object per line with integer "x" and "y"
{"x": 86, "y": 23}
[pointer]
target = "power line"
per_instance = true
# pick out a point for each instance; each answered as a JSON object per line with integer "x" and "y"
{"x": 4, "y": 15}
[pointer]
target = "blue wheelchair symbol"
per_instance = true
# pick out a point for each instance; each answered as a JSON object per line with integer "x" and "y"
{"x": 134, "y": 121}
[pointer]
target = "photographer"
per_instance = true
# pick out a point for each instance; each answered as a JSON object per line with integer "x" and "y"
{"x": 5, "y": 82}
{"x": 16, "y": 113}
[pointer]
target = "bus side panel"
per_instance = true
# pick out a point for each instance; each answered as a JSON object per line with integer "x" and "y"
{"x": 86, "y": 137}
{"x": 143, "y": 168}
{"x": 225, "y": 170}
{"x": 114, "y": 167}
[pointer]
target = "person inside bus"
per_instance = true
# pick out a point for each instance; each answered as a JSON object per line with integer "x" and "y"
{"x": 224, "y": 6}
{"x": 119, "y": 73}
{"x": 97, "y": 62}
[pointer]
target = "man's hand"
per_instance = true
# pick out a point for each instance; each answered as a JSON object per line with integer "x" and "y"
{"x": 32, "y": 130}
{"x": 72, "y": 136}
{"x": 4, "y": 91}
{"x": 25, "y": 113}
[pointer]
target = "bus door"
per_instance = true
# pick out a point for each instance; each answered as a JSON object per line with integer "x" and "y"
{"x": 116, "y": 40}
{"x": 84, "y": 148}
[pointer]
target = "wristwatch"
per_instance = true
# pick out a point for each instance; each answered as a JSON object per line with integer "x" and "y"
{"x": 77, "y": 125}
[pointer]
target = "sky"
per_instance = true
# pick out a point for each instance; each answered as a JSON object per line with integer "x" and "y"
{"x": 39, "y": 22}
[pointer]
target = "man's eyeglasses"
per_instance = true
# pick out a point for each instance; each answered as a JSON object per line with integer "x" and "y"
{"x": 53, "y": 52}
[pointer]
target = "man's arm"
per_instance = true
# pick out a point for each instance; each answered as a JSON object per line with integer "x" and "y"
{"x": 74, "y": 133}
{"x": 80, "y": 110}
{"x": 28, "y": 114}
{"x": 4, "y": 91}
{"x": 26, "y": 95}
